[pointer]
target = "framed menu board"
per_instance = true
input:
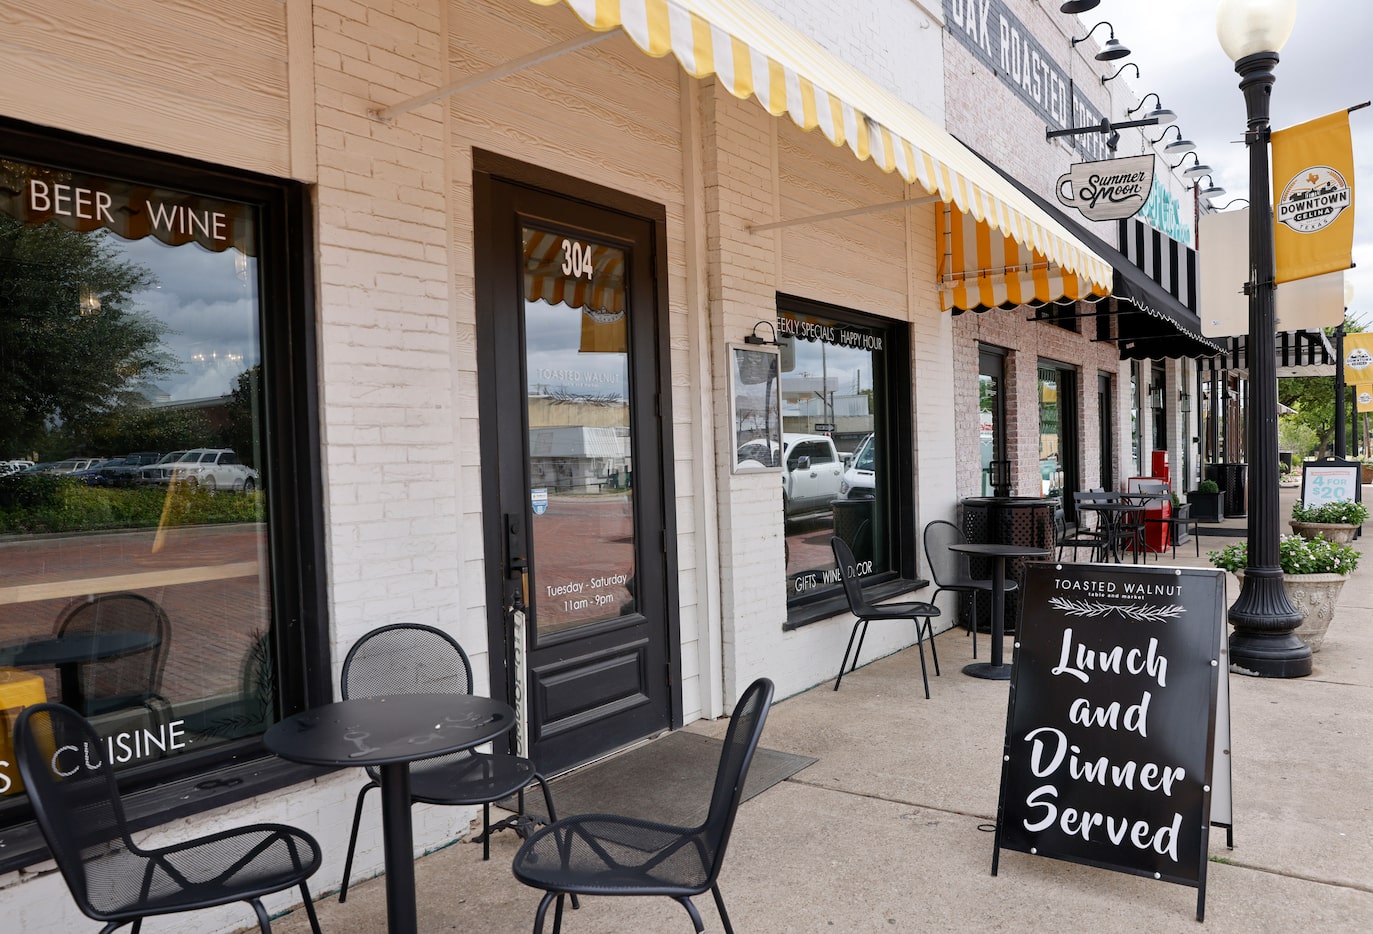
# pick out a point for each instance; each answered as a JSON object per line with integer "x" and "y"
{"x": 1111, "y": 727}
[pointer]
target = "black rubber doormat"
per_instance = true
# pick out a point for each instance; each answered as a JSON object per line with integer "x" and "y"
{"x": 668, "y": 780}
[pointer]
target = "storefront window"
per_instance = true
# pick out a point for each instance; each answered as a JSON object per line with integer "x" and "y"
{"x": 838, "y": 445}
{"x": 135, "y": 530}
{"x": 1058, "y": 454}
{"x": 991, "y": 413}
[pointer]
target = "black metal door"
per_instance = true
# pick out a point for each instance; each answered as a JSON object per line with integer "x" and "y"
{"x": 574, "y": 460}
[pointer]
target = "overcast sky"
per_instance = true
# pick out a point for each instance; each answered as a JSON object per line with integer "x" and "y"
{"x": 1323, "y": 68}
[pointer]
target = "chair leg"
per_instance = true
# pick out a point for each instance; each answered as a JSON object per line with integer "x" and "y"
{"x": 353, "y": 842}
{"x": 558, "y": 915}
{"x": 486, "y": 831}
{"x": 264, "y": 923}
{"x": 920, "y": 644}
{"x": 695, "y": 915}
{"x": 859, "y": 651}
{"x": 543, "y": 910}
{"x": 845, "y": 660}
{"x": 552, "y": 817}
{"x": 929, "y": 632}
{"x": 309, "y": 907}
{"x": 720, "y": 905}
{"x": 973, "y": 628}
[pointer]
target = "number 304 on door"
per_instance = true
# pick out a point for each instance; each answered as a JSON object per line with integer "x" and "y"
{"x": 577, "y": 259}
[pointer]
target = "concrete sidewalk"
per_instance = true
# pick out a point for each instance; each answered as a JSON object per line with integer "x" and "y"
{"x": 890, "y": 829}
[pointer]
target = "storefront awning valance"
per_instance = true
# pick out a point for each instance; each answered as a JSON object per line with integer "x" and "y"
{"x": 1152, "y": 322}
{"x": 1297, "y": 353}
{"x": 752, "y": 53}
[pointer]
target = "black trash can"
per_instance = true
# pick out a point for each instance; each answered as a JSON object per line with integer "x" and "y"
{"x": 1231, "y": 477}
{"x": 1005, "y": 520}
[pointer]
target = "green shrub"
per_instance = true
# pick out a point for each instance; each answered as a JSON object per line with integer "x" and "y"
{"x": 1342, "y": 513}
{"x": 1296, "y": 555}
{"x": 1208, "y": 486}
{"x": 45, "y": 504}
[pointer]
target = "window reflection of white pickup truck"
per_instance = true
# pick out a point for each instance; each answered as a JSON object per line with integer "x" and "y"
{"x": 811, "y": 475}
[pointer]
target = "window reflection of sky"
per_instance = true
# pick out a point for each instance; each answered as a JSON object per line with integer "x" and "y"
{"x": 556, "y": 365}
{"x": 208, "y": 303}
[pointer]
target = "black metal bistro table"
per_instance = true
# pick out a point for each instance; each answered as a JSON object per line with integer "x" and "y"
{"x": 68, "y": 653}
{"x": 997, "y": 669}
{"x": 390, "y": 732}
{"x": 1112, "y": 515}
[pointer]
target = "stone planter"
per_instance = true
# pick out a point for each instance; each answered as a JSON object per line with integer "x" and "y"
{"x": 1314, "y": 596}
{"x": 1336, "y": 532}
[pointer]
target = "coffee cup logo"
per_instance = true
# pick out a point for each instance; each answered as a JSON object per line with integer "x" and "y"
{"x": 1111, "y": 189}
{"x": 1313, "y": 199}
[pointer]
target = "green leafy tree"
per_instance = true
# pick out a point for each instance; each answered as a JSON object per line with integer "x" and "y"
{"x": 1313, "y": 398}
{"x": 73, "y": 348}
{"x": 144, "y": 428}
{"x": 240, "y": 427}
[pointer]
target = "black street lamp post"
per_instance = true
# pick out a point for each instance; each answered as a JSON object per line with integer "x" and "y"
{"x": 1263, "y": 641}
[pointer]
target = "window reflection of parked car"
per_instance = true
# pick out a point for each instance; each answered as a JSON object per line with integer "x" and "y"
{"x": 70, "y": 465}
{"x": 214, "y": 469}
{"x": 160, "y": 471}
{"x": 91, "y": 475}
{"x": 122, "y": 471}
{"x": 757, "y": 453}
{"x": 811, "y": 474}
{"x": 859, "y": 480}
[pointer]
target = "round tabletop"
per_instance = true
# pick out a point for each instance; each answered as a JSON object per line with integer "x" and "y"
{"x": 388, "y": 729}
{"x": 1002, "y": 551}
{"x": 1110, "y": 507}
{"x": 77, "y": 647}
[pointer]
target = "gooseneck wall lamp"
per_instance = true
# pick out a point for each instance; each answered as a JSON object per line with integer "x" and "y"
{"x": 1211, "y": 191}
{"x": 1181, "y": 144}
{"x": 1159, "y": 113}
{"x": 1078, "y": 6}
{"x": 1112, "y": 50}
{"x": 1262, "y": 641}
{"x": 1197, "y": 169}
{"x": 1105, "y": 78}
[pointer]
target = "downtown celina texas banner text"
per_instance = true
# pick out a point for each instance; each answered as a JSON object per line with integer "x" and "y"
{"x": 1313, "y": 197}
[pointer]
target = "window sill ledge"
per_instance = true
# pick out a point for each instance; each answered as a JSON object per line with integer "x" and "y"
{"x": 834, "y": 606}
{"x": 23, "y": 845}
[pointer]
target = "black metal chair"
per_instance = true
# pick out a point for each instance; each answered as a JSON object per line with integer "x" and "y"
{"x": 76, "y": 801}
{"x": 953, "y": 571}
{"x": 865, "y": 611}
{"x": 122, "y": 681}
{"x": 1082, "y": 535}
{"x": 606, "y": 854}
{"x": 409, "y": 658}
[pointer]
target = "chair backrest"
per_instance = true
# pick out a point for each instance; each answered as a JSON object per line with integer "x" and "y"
{"x": 124, "y": 680}
{"x": 848, "y": 573}
{"x": 406, "y": 658}
{"x": 72, "y": 789}
{"x": 741, "y": 740}
{"x": 948, "y": 567}
{"x": 1060, "y": 524}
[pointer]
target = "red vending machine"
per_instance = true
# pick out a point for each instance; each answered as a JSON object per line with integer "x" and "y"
{"x": 1156, "y": 538}
{"x": 1158, "y": 467}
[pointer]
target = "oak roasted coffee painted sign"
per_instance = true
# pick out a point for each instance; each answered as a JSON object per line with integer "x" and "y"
{"x": 1112, "y": 189}
{"x": 1110, "y": 734}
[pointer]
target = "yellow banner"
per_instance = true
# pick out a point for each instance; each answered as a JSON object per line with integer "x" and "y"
{"x": 1364, "y": 395}
{"x": 1313, "y": 197}
{"x": 1358, "y": 359}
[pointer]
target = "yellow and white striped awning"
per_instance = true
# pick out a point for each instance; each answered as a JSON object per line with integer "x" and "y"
{"x": 982, "y": 268}
{"x": 752, "y": 53}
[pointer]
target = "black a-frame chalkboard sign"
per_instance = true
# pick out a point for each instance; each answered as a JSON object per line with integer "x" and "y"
{"x": 1111, "y": 722}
